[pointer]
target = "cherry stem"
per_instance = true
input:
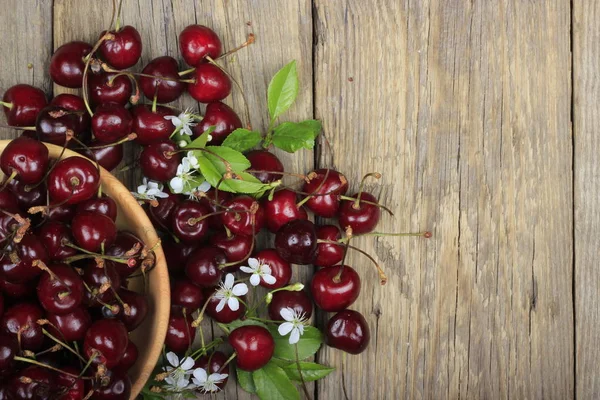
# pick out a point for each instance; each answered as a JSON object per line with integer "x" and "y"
{"x": 39, "y": 364}
{"x": 249, "y": 40}
{"x": 186, "y": 72}
{"x": 194, "y": 221}
{"x": 89, "y": 254}
{"x": 154, "y": 101}
{"x": 277, "y": 173}
{"x": 204, "y": 349}
{"x": 361, "y": 187}
{"x": 304, "y": 388}
{"x": 8, "y": 180}
{"x": 131, "y": 137}
{"x": 7, "y": 105}
{"x": 357, "y": 200}
{"x": 63, "y": 344}
{"x": 88, "y": 60}
{"x": 382, "y": 276}
{"x": 230, "y": 359}
{"x": 196, "y": 323}
{"x": 118, "y": 22}
{"x": 20, "y": 128}
{"x": 310, "y": 195}
{"x": 40, "y": 264}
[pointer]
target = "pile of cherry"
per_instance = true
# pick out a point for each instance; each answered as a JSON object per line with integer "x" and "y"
{"x": 65, "y": 310}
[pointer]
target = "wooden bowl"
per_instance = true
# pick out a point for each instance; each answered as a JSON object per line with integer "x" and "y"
{"x": 150, "y": 336}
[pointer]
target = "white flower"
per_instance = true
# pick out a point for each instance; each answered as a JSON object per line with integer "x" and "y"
{"x": 149, "y": 190}
{"x": 183, "y": 122}
{"x": 208, "y": 138}
{"x": 178, "y": 378}
{"x": 204, "y": 187}
{"x": 192, "y": 160}
{"x": 182, "y": 143}
{"x": 208, "y": 383}
{"x": 228, "y": 293}
{"x": 258, "y": 271}
{"x": 294, "y": 324}
{"x": 185, "y": 173}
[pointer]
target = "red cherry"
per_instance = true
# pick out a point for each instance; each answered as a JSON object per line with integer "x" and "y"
{"x": 22, "y": 104}
{"x": 61, "y": 213}
{"x": 161, "y": 215}
{"x": 28, "y": 196}
{"x": 70, "y": 327}
{"x": 25, "y": 157}
{"x": 222, "y": 117}
{"x": 72, "y": 102}
{"x": 1, "y": 306}
{"x": 157, "y": 163}
{"x": 240, "y": 219}
{"x": 21, "y": 320}
{"x": 215, "y": 198}
{"x": 20, "y": 268}
{"x": 129, "y": 357}
{"x": 8, "y": 202}
{"x": 226, "y": 315}
{"x": 9, "y": 348}
{"x": 61, "y": 291}
{"x": 203, "y": 266}
{"x": 236, "y": 247}
{"x": 282, "y": 209}
{"x": 107, "y": 156}
{"x": 329, "y": 254}
{"x": 33, "y": 382}
{"x": 281, "y": 270}
{"x": 93, "y": 231}
{"x": 125, "y": 244}
{"x": 17, "y": 291}
{"x": 334, "y": 184}
{"x": 137, "y": 309}
{"x": 66, "y": 65}
{"x": 263, "y": 160}
{"x": 186, "y": 294}
{"x": 198, "y": 41}
{"x": 180, "y": 332}
{"x": 151, "y": 126}
{"x": 177, "y": 255}
{"x": 253, "y": 345}
{"x": 335, "y": 288}
{"x": 210, "y": 84}
{"x": 105, "y": 341}
{"x": 362, "y": 217}
{"x": 118, "y": 387}
{"x": 70, "y": 387}
{"x": 165, "y": 90}
{"x": 105, "y": 88}
{"x": 184, "y": 227}
{"x": 124, "y": 50}
{"x": 297, "y": 301}
{"x": 296, "y": 242}
{"x": 214, "y": 363}
{"x": 111, "y": 122}
{"x": 97, "y": 280}
{"x": 348, "y": 331}
{"x": 102, "y": 205}
{"x": 53, "y": 123}
{"x": 73, "y": 180}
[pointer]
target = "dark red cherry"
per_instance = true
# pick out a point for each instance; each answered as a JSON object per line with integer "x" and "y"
{"x": 93, "y": 231}
{"x": 69, "y": 387}
{"x": 126, "y": 245}
{"x": 198, "y": 41}
{"x": 239, "y": 219}
{"x": 106, "y": 341}
{"x": 202, "y": 267}
{"x": 157, "y": 162}
{"x": 329, "y": 254}
{"x": 282, "y": 209}
{"x": 66, "y": 64}
{"x": 70, "y": 327}
{"x": 335, "y": 288}
{"x": 61, "y": 213}
{"x": 111, "y": 122}
{"x": 109, "y": 88}
{"x": 177, "y": 255}
{"x": 21, "y": 319}
{"x": 8, "y": 201}
{"x": 53, "y": 123}
{"x": 184, "y": 228}
{"x": 8, "y": 225}
{"x": 118, "y": 387}
{"x": 22, "y": 103}
{"x": 151, "y": 126}
{"x": 253, "y": 345}
{"x": 296, "y": 242}
{"x": 161, "y": 215}
{"x": 72, "y": 102}
{"x": 348, "y": 331}
{"x": 54, "y": 235}
{"x": 102, "y": 205}
{"x": 61, "y": 291}
{"x": 1, "y": 306}
{"x": 222, "y": 117}
{"x": 180, "y": 332}
{"x": 226, "y": 315}
{"x": 28, "y": 196}
{"x": 33, "y": 382}
{"x": 186, "y": 294}
{"x": 165, "y": 90}
{"x": 215, "y": 198}
{"x": 17, "y": 291}
{"x": 73, "y": 180}
{"x": 17, "y": 265}
{"x": 129, "y": 357}
{"x": 214, "y": 363}
{"x": 325, "y": 188}
{"x": 107, "y": 156}
{"x": 297, "y": 301}
{"x": 210, "y": 84}
{"x": 26, "y": 159}
{"x": 281, "y": 270}
{"x": 137, "y": 310}
{"x": 9, "y": 348}
{"x": 263, "y": 160}
{"x": 124, "y": 50}
{"x": 236, "y": 247}
{"x": 103, "y": 282}
{"x": 362, "y": 217}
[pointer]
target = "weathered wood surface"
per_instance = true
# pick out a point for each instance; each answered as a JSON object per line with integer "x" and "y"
{"x": 466, "y": 108}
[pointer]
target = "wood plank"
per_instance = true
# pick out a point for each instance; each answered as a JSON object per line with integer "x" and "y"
{"x": 586, "y": 53}
{"x": 465, "y": 107}
{"x": 26, "y": 45}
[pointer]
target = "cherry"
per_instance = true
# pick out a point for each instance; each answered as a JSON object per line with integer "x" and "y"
{"x": 61, "y": 290}
{"x": 226, "y": 315}
{"x": 296, "y": 242}
{"x": 71, "y": 388}
{"x": 118, "y": 387}
{"x": 177, "y": 255}
{"x": 325, "y": 181}
{"x": 184, "y": 227}
{"x": 151, "y": 126}
{"x": 53, "y": 123}
{"x": 25, "y": 158}
{"x": 298, "y": 301}
{"x": 186, "y": 294}
{"x": 329, "y": 254}
{"x": 22, "y": 104}
{"x": 210, "y": 84}
{"x": 202, "y": 268}
{"x": 17, "y": 290}
{"x": 281, "y": 270}
{"x": 129, "y": 357}
{"x": 215, "y": 198}
{"x": 198, "y": 41}
{"x": 9, "y": 348}
{"x": 72, "y": 102}
{"x": 21, "y": 320}
{"x": 240, "y": 218}
{"x": 124, "y": 50}
{"x": 28, "y": 196}
{"x": 137, "y": 310}
{"x": 106, "y": 341}
{"x": 93, "y": 231}
{"x": 165, "y": 90}
{"x": 66, "y": 64}
{"x": 1, "y": 306}
{"x": 348, "y": 331}
{"x": 236, "y": 247}
{"x": 111, "y": 122}
{"x": 109, "y": 88}
{"x": 214, "y": 363}
{"x": 158, "y": 163}
{"x": 102, "y": 205}
{"x": 61, "y": 212}
{"x": 335, "y": 288}
{"x": 70, "y": 327}
{"x": 360, "y": 216}
{"x": 263, "y": 160}
{"x": 97, "y": 278}
{"x": 107, "y": 156}
{"x": 19, "y": 267}
{"x": 8, "y": 201}
{"x": 222, "y": 117}
{"x": 282, "y": 209}
{"x": 54, "y": 235}
{"x": 33, "y": 382}
{"x": 161, "y": 215}
{"x": 125, "y": 244}
{"x": 253, "y": 345}
{"x": 180, "y": 332}
{"x": 73, "y": 180}
{"x": 8, "y": 225}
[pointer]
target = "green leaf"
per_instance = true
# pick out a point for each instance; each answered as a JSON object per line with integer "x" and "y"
{"x": 242, "y": 139}
{"x": 247, "y": 184}
{"x": 283, "y": 90}
{"x": 239, "y": 323}
{"x": 308, "y": 344}
{"x": 236, "y": 160}
{"x": 293, "y": 136}
{"x": 246, "y": 381}
{"x": 310, "y": 371}
{"x": 314, "y": 125}
{"x": 201, "y": 140}
{"x": 272, "y": 383}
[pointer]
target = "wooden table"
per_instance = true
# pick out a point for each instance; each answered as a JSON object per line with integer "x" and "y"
{"x": 483, "y": 117}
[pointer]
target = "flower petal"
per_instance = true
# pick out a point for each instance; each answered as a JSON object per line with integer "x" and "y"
{"x": 240, "y": 289}
{"x": 295, "y": 336}
{"x": 229, "y": 280}
{"x": 265, "y": 269}
{"x": 173, "y": 359}
{"x": 218, "y": 378}
{"x": 187, "y": 363}
{"x": 269, "y": 279}
{"x": 287, "y": 314}
{"x": 253, "y": 263}
{"x": 221, "y": 305}
{"x": 204, "y": 187}
{"x": 285, "y": 328}
{"x": 254, "y": 280}
{"x": 200, "y": 374}
{"x": 246, "y": 270}
{"x": 233, "y": 303}
{"x": 141, "y": 189}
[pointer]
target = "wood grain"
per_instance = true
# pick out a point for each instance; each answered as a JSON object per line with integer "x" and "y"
{"x": 465, "y": 107}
